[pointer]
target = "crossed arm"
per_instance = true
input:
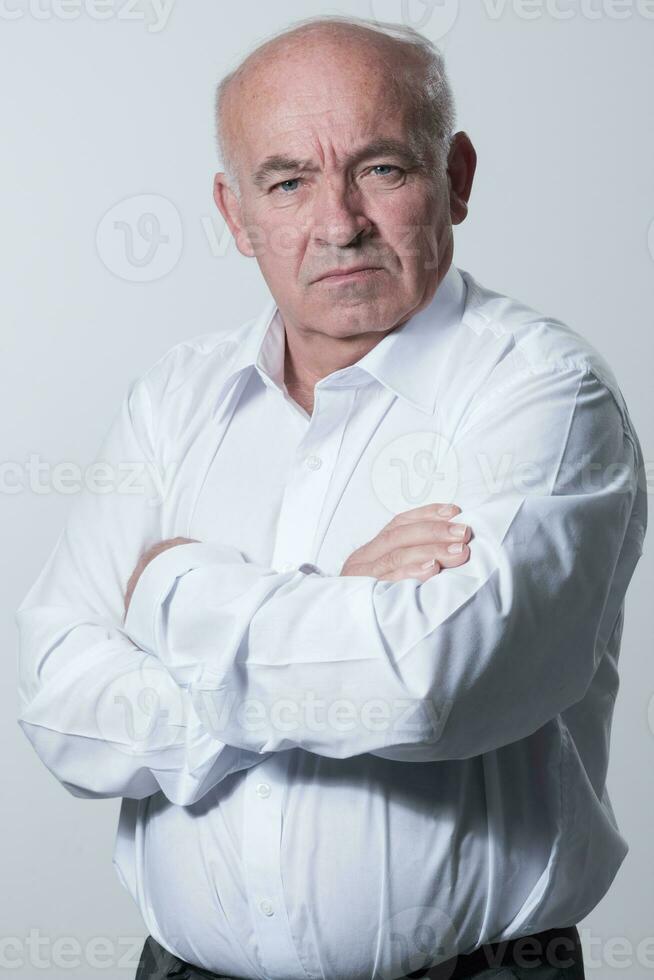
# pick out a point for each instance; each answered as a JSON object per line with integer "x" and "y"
{"x": 416, "y": 544}
{"x": 481, "y": 655}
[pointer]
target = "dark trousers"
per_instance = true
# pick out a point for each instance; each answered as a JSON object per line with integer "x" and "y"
{"x": 555, "y": 954}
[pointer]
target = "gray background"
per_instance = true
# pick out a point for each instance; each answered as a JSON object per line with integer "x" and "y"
{"x": 557, "y": 98}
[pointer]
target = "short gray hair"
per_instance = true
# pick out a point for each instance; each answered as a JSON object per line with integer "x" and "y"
{"x": 432, "y": 99}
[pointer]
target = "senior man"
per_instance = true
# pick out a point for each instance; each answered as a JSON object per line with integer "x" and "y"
{"x": 359, "y": 734}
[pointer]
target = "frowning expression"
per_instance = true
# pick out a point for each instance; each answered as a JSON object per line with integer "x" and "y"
{"x": 343, "y": 203}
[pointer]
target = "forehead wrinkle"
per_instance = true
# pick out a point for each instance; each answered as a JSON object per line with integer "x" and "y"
{"x": 268, "y": 67}
{"x": 381, "y": 146}
{"x": 324, "y": 126}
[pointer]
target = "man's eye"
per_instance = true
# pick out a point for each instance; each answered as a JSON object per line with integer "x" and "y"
{"x": 389, "y": 168}
{"x": 284, "y": 185}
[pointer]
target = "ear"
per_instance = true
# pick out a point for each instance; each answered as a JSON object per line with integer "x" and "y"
{"x": 229, "y": 206}
{"x": 461, "y": 166}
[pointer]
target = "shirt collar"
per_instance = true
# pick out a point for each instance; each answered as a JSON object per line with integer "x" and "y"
{"x": 406, "y": 361}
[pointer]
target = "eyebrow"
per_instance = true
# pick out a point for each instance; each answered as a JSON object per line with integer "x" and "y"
{"x": 280, "y": 164}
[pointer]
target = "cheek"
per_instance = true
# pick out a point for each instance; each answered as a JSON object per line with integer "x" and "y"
{"x": 279, "y": 241}
{"x": 406, "y": 229}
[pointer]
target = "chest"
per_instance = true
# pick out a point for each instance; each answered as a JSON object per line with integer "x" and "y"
{"x": 285, "y": 488}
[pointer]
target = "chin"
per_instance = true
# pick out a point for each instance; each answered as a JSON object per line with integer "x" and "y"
{"x": 358, "y": 319}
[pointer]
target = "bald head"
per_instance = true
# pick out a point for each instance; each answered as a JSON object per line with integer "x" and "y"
{"x": 407, "y": 63}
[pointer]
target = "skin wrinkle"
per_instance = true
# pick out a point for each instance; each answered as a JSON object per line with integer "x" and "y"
{"x": 405, "y": 79}
{"x": 319, "y": 97}
{"x": 279, "y": 164}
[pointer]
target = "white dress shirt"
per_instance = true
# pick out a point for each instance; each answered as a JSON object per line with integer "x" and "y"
{"x": 331, "y": 776}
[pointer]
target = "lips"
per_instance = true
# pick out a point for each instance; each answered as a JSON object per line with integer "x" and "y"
{"x": 344, "y": 273}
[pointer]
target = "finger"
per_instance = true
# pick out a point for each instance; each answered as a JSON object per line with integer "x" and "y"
{"x": 412, "y": 571}
{"x": 457, "y": 553}
{"x": 426, "y": 512}
{"x": 421, "y": 525}
{"x": 407, "y": 558}
{"x": 416, "y": 556}
{"x": 426, "y": 532}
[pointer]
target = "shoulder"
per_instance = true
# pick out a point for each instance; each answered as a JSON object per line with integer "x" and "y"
{"x": 199, "y": 362}
{"x": 513, "y": 344}
{"x": 180, "y": 392}
{"x": 544, "y": 400}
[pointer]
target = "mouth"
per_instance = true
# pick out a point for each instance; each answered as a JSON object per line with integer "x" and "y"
{"x": 354, "y": 275}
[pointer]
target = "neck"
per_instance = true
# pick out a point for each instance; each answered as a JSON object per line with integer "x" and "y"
{"x": 309, "y": 357}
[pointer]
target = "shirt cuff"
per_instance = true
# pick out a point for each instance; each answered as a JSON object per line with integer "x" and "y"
{"x": 157, "y": 579}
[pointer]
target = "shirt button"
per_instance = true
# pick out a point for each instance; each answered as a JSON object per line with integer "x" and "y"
{"x": 313, "y": 462}
{"x": 263, "y": 790}
{"x": 266, "y": 907}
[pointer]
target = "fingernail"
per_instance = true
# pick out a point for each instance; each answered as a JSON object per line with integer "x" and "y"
{"x": 429, "y": 564}
{"x": 446, "y": 511}
{"x": 455, "y": 549}
{"x": 458, "y": 530}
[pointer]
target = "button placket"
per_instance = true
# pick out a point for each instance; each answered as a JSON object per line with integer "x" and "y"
{"x": 262, "y": 825}
{"x": 299, "y": 515}
{"x": 310, "y": 477}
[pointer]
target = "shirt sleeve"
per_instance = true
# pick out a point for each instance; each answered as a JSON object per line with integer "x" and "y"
{"x": 548, "y": 477}
{"x": 106, "y": 718}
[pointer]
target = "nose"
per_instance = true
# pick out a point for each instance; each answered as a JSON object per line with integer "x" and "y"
{"x": 338, "y": 216}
